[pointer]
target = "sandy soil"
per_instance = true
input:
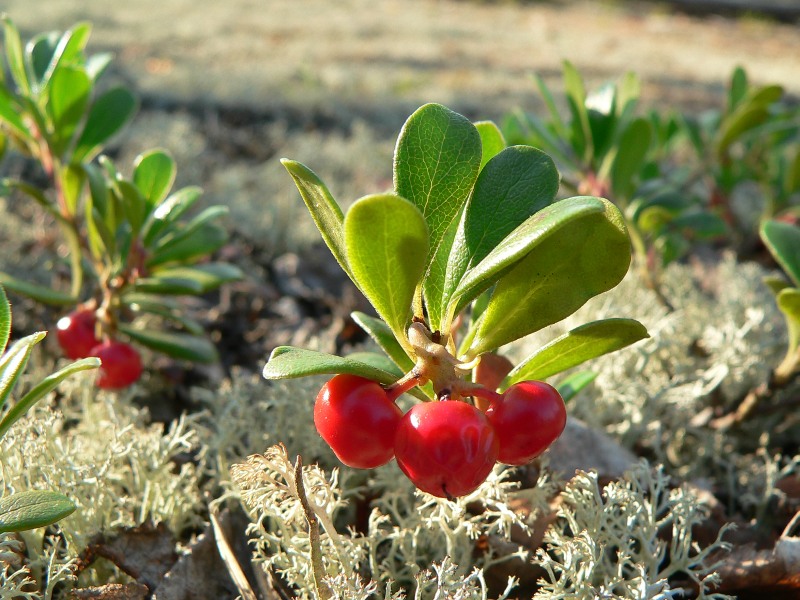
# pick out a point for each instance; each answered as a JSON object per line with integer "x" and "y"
{"x": 371, "y": 56}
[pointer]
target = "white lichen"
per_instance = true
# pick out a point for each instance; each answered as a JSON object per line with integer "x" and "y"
{"x": 628, "y": 539}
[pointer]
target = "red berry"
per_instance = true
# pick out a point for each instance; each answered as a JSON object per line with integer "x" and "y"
{"x": 446, "y": 448}
{"x": 76, "y": 333}
{"x": 357, "y": 420}
{"x": 528, "y": 417}
{"x": 121, "y": 366}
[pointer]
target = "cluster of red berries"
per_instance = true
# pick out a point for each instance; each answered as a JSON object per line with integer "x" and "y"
{"x": 77, "y": 336}
{"x": 446, "y": 448}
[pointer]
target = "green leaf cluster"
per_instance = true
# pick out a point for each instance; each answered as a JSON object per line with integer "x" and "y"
{"x": 471, "y": 229}
{"x": 139, "y": 244}
{"x": 30, "y": 509}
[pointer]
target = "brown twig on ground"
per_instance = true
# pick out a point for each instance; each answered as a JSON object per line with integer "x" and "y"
{"x": 318, "y": 569}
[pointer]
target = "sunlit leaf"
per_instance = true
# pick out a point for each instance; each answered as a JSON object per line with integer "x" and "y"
{"x": 184, "y": 346}
{"x": 386, "y": 241}
{"x": 436, "y": 162}
{"x": 287, "y": 362}
{"x": 576, "y": 347}
{"x": 584, "y": 256}
{"x": 30, "y": 509}
{"x": 323, "y": 208}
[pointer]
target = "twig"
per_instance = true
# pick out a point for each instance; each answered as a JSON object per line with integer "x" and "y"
{"x": 318, "y": 569}
{"x": 229, "y": 558}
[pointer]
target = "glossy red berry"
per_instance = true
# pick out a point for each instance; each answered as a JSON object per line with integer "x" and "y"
{"x": 528, "y": 417}
{"x": 358, "y": 421}
{"x": 121, "y": 366}
{"x": 446, "y": 448}
{"x": 76, "y": 333}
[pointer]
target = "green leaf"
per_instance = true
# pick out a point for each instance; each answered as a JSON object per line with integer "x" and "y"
{"x": 168, "y": 212}
{"x": 158, "y": 307}
{"x": 133, "y": 204}
{"x": 5, "y": 320}
{"x": 40, "y": 51}
{"x": 41, "y": 389}
{"x": 287, "y": 362}
{"x": 202, "y": 241}
{"x": 631, "y": 155}
{"x": 783, "y": 241}
{"x": 436, "y": 162}
{"x": 324, "y": 210}
{"x": 576, "y": 99}
{"x": 171, "y": 286}
{"x": 69, "y": 49}
{"x": 570, "y": 386}
{"x": 107, "y": 115}
{"x": 576, "y": 347}
{"x": 382, "y": 334}
{"x": 13, "y": 363}
{"x": 184, "y": 346}
{"x": 519, "y": 243}
{"x": 209, "y": 276}
{"x": 154, "y": 173}
{"x": 515, "y": 184}
{"x": 33, "y": 508}
{"x": 11, "y": 115}
{"x": 776, "y": 283}
{"x": 556, "y": 122}
{"x": 492, "y": 140}
{"x": 72, "y": 181}
{"x": 744, "y": 119}
{"x": 69, "y": 94}
{"x": 700, "y": 224}
{"x": 15, "y": 56}
{"x": 738, "y": 88}
{"x": 386, "y": 241}
{"x": 379, "y": 361}
{"x": 583, "y": 256}
{"x": 39, "y": 293}
{"x": 789, "y": 303}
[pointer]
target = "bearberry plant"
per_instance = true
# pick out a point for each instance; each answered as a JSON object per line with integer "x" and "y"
{"x": 30, "y": 508}
{"x": 469, "y": 252}
{"x": 132, "y": 250}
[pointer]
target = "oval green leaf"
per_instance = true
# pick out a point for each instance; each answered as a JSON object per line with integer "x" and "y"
{"x": 492, "y": 140}
{"x": 287, "y": 362}
{"x": 154, "y": 173}
{"x": 33, "y": 508}
{"x": 326, "y": 213}
{"x": 168, "y": 212}
{"x": 184, "y": 346}
{"x": 515, "y": 184}
{"x": 783, "y": 241}
{"x": 386, "y": 240}
{"x": 436, "y": 162}
{"x": 69, "y": 94}
{"x": 202, "y": 241}
{"x": 209, "y": 276}
{"x": 576, "y": 347}
{"x": 518, "y": 244}
{"x": 631, "y": 155}
{"x": 789, "y": 303}
{"x": 587, "y": 255}
{"x": 39, "y": 293}
{"x": 107, "y": 115}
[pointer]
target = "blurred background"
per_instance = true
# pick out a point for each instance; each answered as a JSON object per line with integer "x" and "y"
{"x": 230, "y": 87}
